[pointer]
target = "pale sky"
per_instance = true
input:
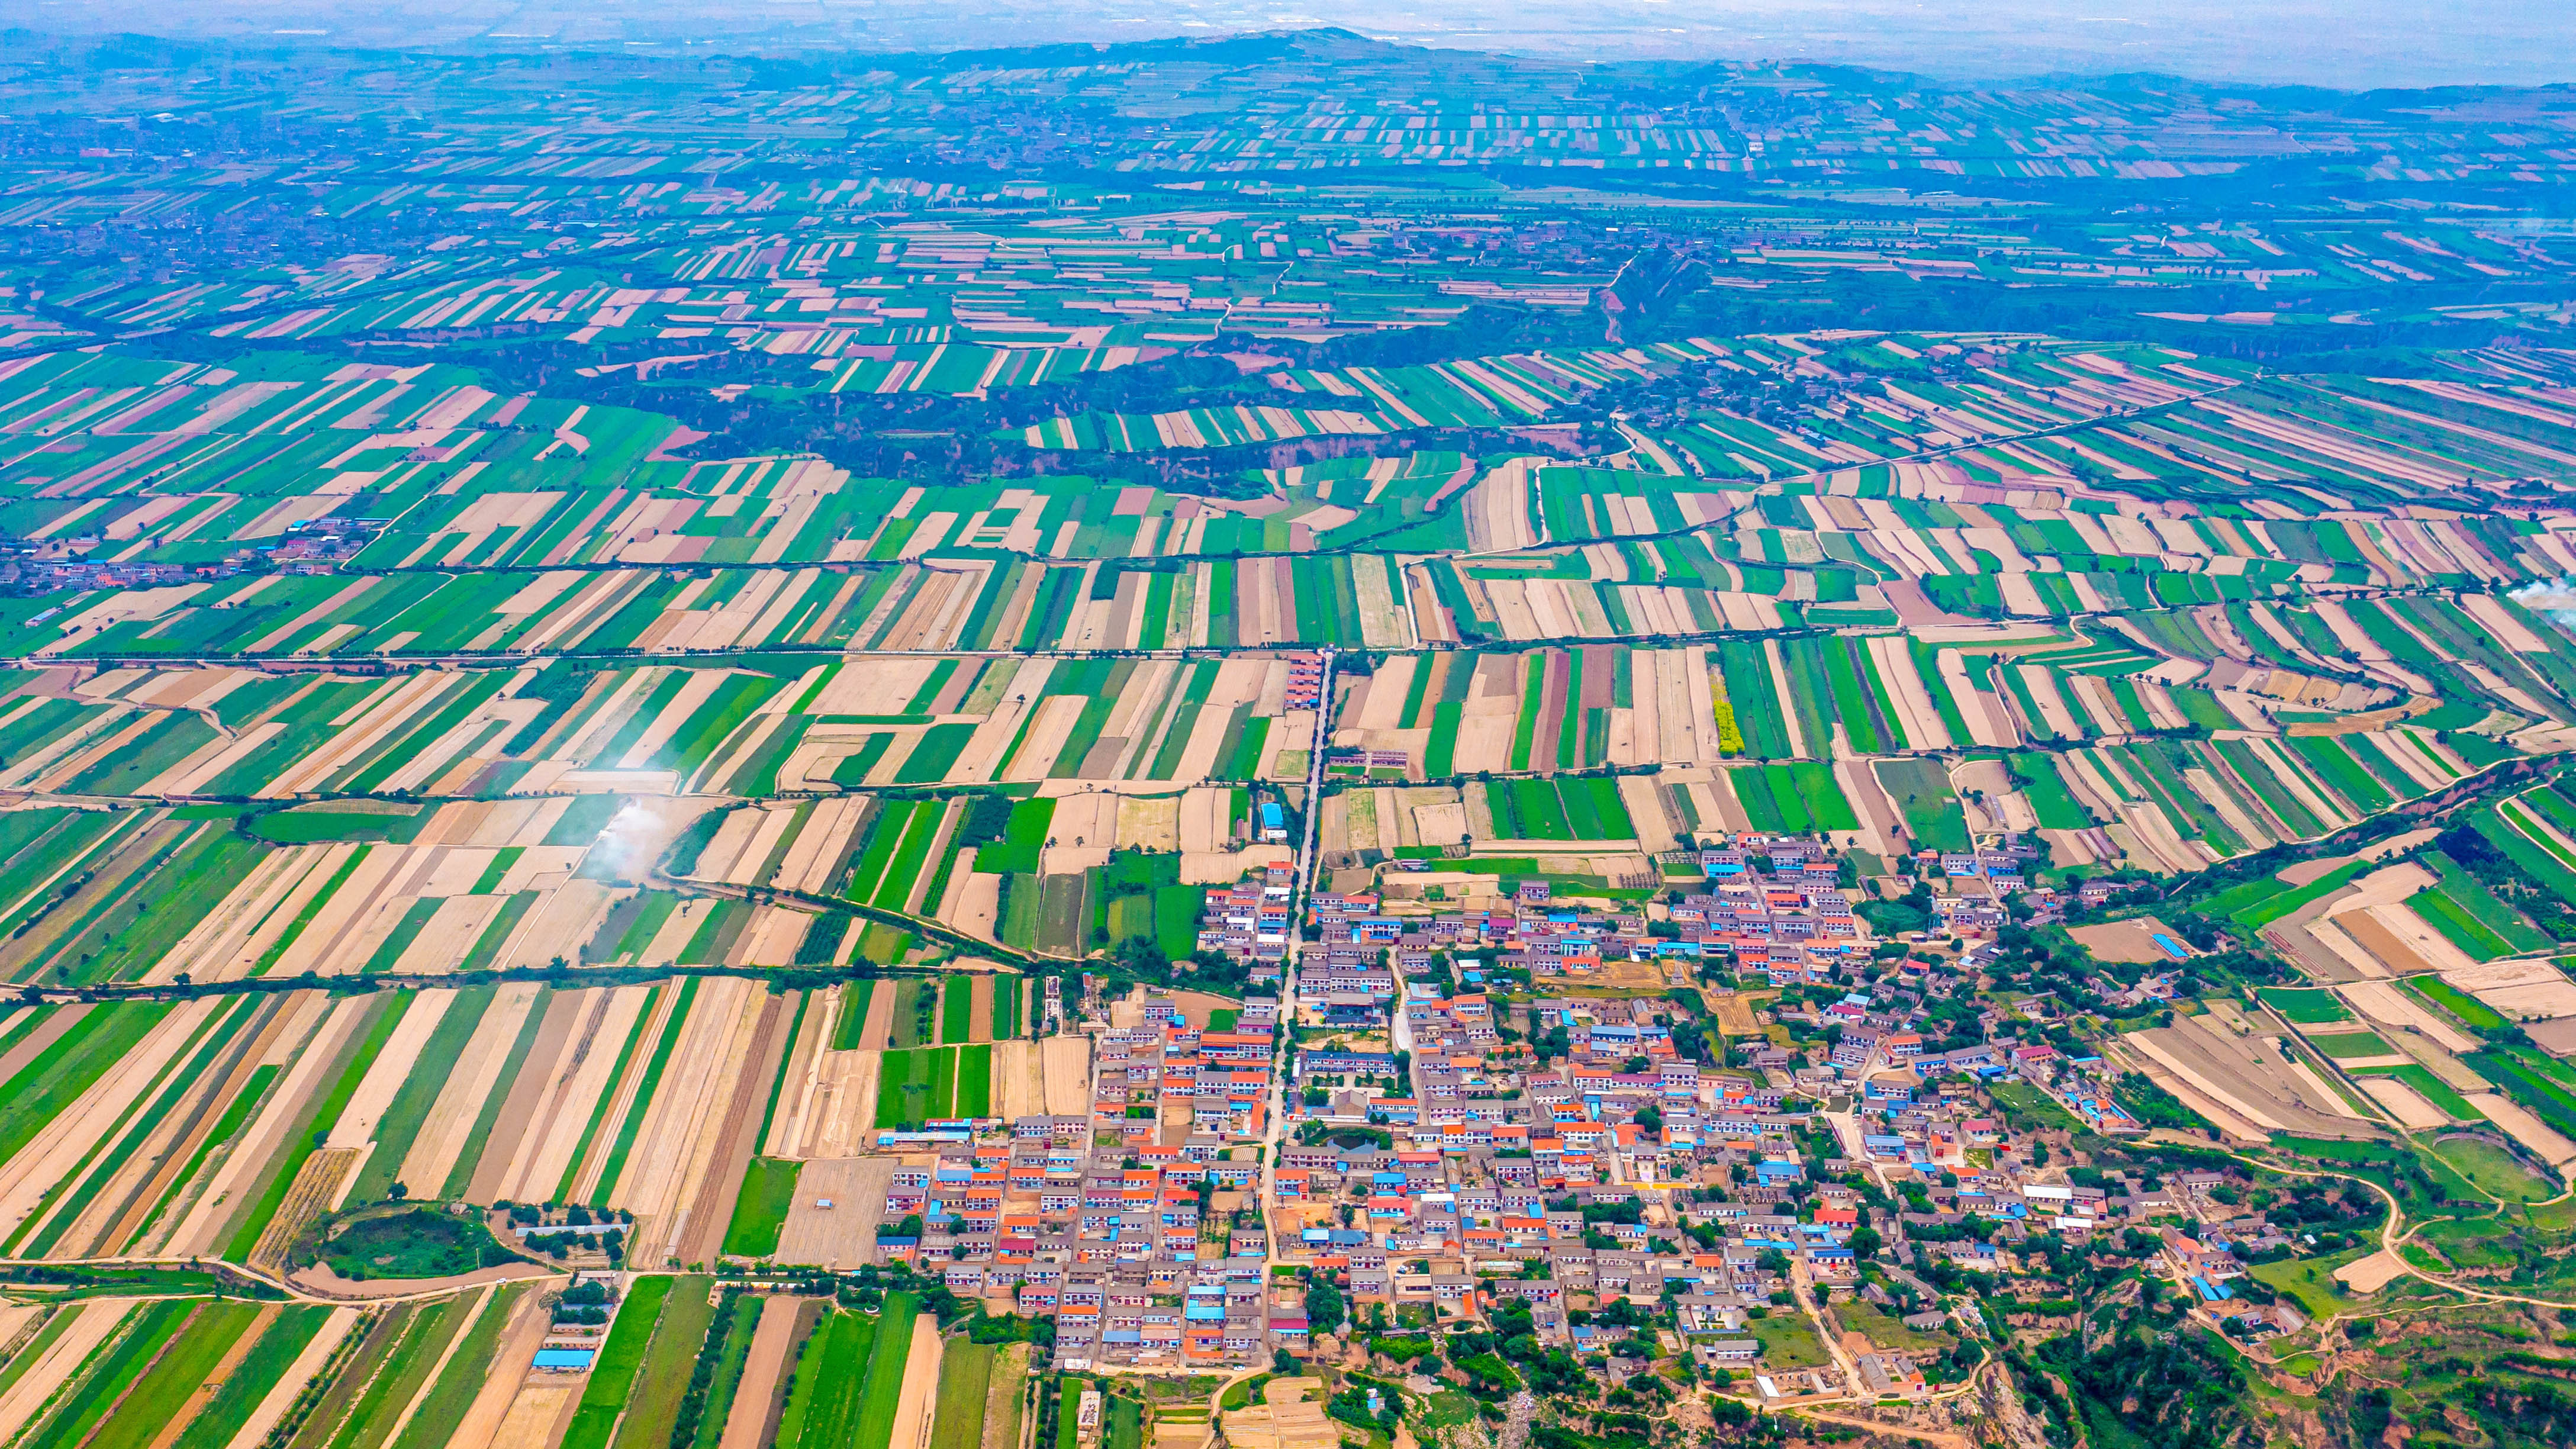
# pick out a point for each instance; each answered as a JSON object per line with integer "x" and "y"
{"x": 2346, "y": 44}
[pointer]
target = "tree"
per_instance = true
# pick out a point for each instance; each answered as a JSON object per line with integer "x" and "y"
{"x": 1865, "y": 1243}
{"x": 1324, "y": 1307}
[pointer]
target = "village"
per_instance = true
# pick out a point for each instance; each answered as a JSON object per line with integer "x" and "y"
{"x": 1432, "y": 1141}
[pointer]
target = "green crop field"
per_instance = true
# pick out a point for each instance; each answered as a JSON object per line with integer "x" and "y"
{"x": 881, "y": 1392}
{"x": 2472, "y": 1013}
{"x": 975, "y": 1081}
{"x": 2351, "y": 1044}
{"x": 739, "y": 1322}
{"x": 850, "y": 1026}
{"x": 258, "y": 1371}
{"x": 965, "y": 1374}
{"x": 2305, "y": 1005}
{"x": 1126, "y": 1426}
{"x": 768, "y": 1192}
{"x": 612, "y": 1375}
{"x": 653, "y": 1408}
{"x": 163, "y": 1391}
{"x": 503, "y": 550}
{"x": 452, "y": 1396}
{"x": 917, "y": 1085}
{"x": 1921, "y": 790}
{"x": 1010, "y": 1018}
{"x": 2431, "y": 1088}
{"x": 823, "y": 1411}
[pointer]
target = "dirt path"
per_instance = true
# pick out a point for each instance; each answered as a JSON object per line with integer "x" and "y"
{"x": 1940, "y": 1438}
{"x": 755, "y": 1399}
{"x": 319, "y": 1282}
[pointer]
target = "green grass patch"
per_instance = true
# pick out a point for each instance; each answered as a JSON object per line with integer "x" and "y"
{"x": 2033, "y": 1105}
{"x": 2312, "y": 1282}
{"x": 2493, "y": 1169}
{"x": 1789, "y": 1340}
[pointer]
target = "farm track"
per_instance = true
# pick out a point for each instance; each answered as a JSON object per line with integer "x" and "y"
{"x": 435, "y": 1288}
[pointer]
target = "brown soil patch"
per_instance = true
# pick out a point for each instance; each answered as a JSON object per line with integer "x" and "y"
{"x": 519, "y": 1109}
{"x": 703, "y": 1233}
{"x": 2131, "y": 941}
{"x": 756, "y": 1399}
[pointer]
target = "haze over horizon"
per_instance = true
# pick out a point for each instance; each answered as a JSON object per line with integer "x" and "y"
{"x": 2352, "y": 45}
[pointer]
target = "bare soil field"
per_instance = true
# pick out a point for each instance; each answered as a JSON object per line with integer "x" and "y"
{"x": 726, "y": 1152}
{"x": 915, "y": 1411}
{"x": 831, "y": 1110}
{"x": 2385, "y": 1004}
{"x": 2245, "y": 1084}
{"x": 1001, "y": 1398}
{"x": 844, "y": 1234}
{"x": 755, "y": 1399}
{"x": 2131, "y": 940}
{"x": 2369, "y": 1275}
{"x": 538, "y": 1414}
{"x": 2526, "y": 1129}
{"x": 2403, "y": 1102}
{"x": 92, "y": 1325}
{"x": 1195, "y": 1006}
{"x": 2556, "y": 1036}
{"x": 1734, "y": 1012}
{"x": 1067, "y": 1064}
